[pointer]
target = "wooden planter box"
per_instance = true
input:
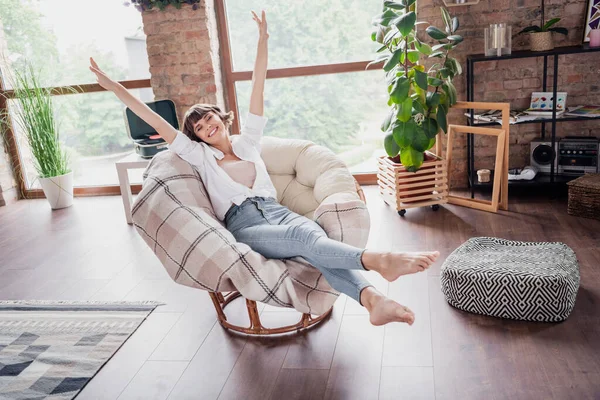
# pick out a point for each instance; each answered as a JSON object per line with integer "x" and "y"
{"x": 402, "y": 189}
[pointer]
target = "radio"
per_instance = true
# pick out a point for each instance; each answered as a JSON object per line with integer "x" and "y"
{"x": 578, "y": 155}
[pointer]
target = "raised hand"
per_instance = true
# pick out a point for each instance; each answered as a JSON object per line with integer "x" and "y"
{"x": 262, "y": 24}
{"x": 102, "y": 78}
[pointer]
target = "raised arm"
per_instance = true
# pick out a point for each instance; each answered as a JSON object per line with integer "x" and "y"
{"x": 162, "y": 127}
{"x": 260, "y": 66}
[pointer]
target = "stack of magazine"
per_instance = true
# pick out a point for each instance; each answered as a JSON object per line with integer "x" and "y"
{"x": 584, "y": 111}
{"x": 589, "y": 111}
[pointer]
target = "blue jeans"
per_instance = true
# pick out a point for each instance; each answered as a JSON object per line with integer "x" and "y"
{"x": 276, "y": 232}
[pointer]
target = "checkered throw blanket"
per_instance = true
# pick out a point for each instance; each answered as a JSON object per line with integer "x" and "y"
{"x": 174, "y": 216}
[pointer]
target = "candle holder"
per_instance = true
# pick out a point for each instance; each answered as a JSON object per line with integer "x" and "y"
{"x": 498, "y": 40}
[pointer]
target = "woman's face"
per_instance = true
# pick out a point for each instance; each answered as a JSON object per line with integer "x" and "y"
{"x": 210, "y": 129}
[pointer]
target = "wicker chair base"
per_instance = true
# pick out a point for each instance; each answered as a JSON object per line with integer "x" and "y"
{"x": 220, "y": 301}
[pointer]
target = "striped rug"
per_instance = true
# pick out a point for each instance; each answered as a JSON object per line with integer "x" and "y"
{"x": 52, "y": 349}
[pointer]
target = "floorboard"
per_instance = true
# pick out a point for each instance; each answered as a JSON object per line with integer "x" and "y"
{"x": 88, "y": 252}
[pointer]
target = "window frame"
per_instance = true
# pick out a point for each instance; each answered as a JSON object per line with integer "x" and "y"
{"x": 231, "y": 77}
{"x": 15, "y": 156}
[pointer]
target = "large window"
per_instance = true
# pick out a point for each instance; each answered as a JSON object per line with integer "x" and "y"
{"x": 321, "y": 50}
{"x": 339, "y": 111}
{"x": 57, "y": 37}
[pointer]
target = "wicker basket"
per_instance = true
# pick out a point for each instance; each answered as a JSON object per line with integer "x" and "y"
{"x": 541, "y": 41}
{"x": 584, "y": 196}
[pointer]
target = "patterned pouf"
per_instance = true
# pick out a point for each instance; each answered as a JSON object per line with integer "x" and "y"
{"x": 517, "y": 280}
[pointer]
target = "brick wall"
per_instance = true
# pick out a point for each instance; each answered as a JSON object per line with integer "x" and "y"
{"x": 183, "y": 53}
{"x": 8, "y": 193}
{"x": 513, "y": 81}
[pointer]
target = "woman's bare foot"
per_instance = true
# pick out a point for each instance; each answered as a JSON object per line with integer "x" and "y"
{"x": 393, "y": 265}
{"x": 383, "y": 310}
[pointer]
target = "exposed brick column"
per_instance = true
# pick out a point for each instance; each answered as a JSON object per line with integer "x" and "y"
{"x": 8, "y": 192}
{"x": 183, "y": 52}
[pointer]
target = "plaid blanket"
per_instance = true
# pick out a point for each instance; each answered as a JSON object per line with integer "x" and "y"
{"x": 174, "y": 216}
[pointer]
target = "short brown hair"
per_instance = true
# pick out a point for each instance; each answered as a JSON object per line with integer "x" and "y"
{"x": 197, "y": 112}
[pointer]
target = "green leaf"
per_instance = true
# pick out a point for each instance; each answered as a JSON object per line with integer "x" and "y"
{"x": 430, "y": 144}
{"x": 450, "y": 90}
{"x": 424, "y": 48}
{"x": 455, "y": 38}
{"x": 436, "y": 33}
{"x": 382, "y": 48}
{"x": 393, "y": 60}
{"x": 438, "y": 54}
{"x": 404, "y": 133}
{"x": 400, "y": 90}
{"x": 447, "y": 20}
{"x": 563, "y": 31}
{"x": 380, "y": 34}
{"x": 421, "y": 79}
{"x": 385, "y": 18}
{"x": 405, "y": 110}
{"x": 430, "y": 127}
{"x": 388, "y": 36}
{"x": 434, "y": 81}
{"x": 455, "y": 24}
{"x": 438, "y": 46}
{"x": 420, "y": 140}
{"x": 433, "y": 67}
{"x": 433, "y": 99}
{"x": 413, "y": 56}
{"x": 533, "y": 28}
{"x": 394, "y": 5}
{"x": 411, "y": 159}
{"x": 406, "y": 23}
{"x": 408, "y": 3}
{"x": 385, "y": 125}
{"x": 418, "y": 107}
{"x": 441, "y": 118}
{"x": 379, "y": 59}
{"x": 548, "y": 24}
{"x": 457, "y": 66}
{"x": 445, "y": 72}
{"x": 391, "y": 147}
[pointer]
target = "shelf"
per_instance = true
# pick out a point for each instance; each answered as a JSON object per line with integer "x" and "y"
{"x": 450, "y": 3}
{"x": 539, "y": 180}
{"x": 537, "y": 121}
{"x": 585, "y": 48}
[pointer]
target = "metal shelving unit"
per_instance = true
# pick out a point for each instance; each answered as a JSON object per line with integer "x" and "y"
{"x": 540, "y": 180}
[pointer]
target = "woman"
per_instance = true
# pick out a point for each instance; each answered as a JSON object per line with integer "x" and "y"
{"x": 243, "y": 196}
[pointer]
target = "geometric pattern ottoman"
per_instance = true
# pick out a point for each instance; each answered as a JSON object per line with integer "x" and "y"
{"x": 532, "y": 281}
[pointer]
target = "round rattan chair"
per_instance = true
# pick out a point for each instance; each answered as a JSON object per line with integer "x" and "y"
{"x": 221, "y": 300}
{"x": 175, "y": 218}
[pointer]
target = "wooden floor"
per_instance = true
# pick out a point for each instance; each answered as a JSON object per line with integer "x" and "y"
{"x": 88, "y": 252}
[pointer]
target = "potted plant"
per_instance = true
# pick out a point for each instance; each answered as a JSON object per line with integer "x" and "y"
{"x": 34, "y": 114}
{"x": 420, "y": 99}
{"x": 541, "y": 36}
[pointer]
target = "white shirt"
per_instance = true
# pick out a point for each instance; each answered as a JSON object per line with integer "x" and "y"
{"x": 222, "y": 190}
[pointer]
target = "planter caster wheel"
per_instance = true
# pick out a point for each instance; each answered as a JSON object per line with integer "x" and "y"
{"x": 401, "y": 213}
{"x": 435, "y": 207}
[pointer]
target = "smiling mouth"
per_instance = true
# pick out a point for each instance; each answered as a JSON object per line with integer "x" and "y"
{"x": 212, "y": 132}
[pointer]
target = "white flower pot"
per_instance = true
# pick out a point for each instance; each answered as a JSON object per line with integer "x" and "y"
{"x": 58, "y": 190}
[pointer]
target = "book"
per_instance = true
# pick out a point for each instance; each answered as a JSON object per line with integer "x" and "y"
{"x": 585, "y": 111}
{"x": 543, "y": 113}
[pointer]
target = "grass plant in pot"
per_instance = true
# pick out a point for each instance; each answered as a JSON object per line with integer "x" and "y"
{"x": 541, "y": 36}
{"x": 34, "y": 114}
{"x": 411, "y": 176}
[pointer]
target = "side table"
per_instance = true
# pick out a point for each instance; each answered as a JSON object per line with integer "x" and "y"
{"x": 132, "y": 161}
